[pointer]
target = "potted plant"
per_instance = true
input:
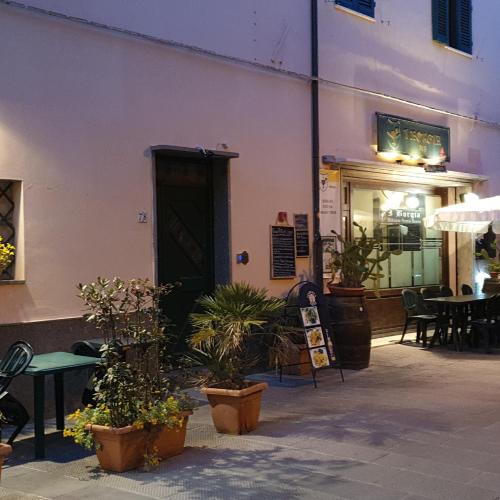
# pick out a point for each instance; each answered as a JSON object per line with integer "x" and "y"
{"x": 6, "y": 255}
{"x": 137, "y": 416}
{"x": 234, "y": 319}
{"x": 354, "y": 263}
{"x": 5, "y": 451}
{"x": 492, "y": 264}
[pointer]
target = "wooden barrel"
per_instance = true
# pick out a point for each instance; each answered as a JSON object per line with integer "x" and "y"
{"x": 352, "y": 330}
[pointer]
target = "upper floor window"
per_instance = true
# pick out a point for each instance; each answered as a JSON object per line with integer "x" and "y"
{"x": 366, "y": 7}
{"x": 452, "y": 23}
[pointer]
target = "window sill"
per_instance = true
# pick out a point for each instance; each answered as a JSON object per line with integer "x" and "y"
{"x": 455, "y": 51}
{"x": 355, "y": 13}
{"x": 12, "y": 282}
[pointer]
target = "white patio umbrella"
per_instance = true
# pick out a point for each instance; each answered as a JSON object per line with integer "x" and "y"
{"x": 470, "y": 217}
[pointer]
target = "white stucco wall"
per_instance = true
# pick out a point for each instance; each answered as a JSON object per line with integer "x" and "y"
{"x": 269, "y": 32}
{"x": 80, "y": 107}
{"x": 395, "y": 55}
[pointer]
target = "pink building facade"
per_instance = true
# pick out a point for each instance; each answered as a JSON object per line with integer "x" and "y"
{"x": 163, "y": 139}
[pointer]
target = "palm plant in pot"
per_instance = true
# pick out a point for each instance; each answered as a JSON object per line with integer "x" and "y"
{"x": 137, "y": 416}
{"x": 355, "y": 262}
{"x": 235, "y": 318}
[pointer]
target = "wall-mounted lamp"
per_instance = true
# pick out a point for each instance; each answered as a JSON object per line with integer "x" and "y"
{"x": 242, "y": 258}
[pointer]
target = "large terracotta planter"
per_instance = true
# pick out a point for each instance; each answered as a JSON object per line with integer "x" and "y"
{"x": 235, "y": 411}
{"x": 170, "y": 442}
{"x": 124, "y": 448}
{"x": 120, "y": 449}
{"x": 297, "y": 363}
{"x": 343, "y": 291}
{"x": 5, "y": 451}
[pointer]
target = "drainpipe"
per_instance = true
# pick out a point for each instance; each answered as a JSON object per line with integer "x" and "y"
{"x": 317, "y": 250}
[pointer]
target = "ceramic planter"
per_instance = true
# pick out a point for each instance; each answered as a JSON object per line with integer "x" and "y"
{"x": 170, "y": 442}
{"x": 235, "y": 411}
{"x": 122, "y": 449}
{"x": 342, "y": 291}
{"x": 5, "y": 451}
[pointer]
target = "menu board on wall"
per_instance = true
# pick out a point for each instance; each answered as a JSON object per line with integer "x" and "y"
{"x": 301, "y": 224}
{"x": 283, "y": 252}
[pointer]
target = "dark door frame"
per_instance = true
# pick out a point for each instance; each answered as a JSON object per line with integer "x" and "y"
{"x": 219, "y": 163}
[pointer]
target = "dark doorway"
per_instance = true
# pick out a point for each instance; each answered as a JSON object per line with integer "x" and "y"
{"x": 192, "y": 241}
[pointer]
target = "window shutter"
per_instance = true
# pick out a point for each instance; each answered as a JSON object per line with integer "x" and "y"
{"x": 440, "y": 21}
{"x": 366, "y": 7}
{"x": 464, "y": 25}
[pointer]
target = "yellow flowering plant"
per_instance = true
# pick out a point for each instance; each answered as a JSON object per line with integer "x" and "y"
{"x": 7, "y": 252}
{"x": 167, "y": 412}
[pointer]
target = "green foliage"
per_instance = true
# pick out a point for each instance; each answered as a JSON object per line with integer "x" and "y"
{"x": 6, "y": 255}
{"x": 134, "y": 386}
{"x": 492, "y": 262}
{"x": 359, "y": 260}
{"x": 236, "y": 316}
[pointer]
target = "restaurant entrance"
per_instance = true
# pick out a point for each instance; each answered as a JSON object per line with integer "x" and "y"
{"x": 394, "y": 213}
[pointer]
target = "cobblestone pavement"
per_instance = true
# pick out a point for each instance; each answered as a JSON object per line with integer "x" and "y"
{"x": 416, "y": 424}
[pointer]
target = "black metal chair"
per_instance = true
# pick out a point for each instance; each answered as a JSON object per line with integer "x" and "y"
{"x": 445, "y": 291}
{"x": 416, "y": 313}
{"x": 443, "y": 321}
{"x": 16, "y": 360}
{"x": 467, "y": 289}
{"x": 488, "y": 328}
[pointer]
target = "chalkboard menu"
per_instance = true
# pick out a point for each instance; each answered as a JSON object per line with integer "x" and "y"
{"x": 282, "y": 252}
{"x": 301, "y": 235}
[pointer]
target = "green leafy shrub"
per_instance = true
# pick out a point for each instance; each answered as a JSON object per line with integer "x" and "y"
{"x": 234, "y": 317}
{"x": 134, "y": 389}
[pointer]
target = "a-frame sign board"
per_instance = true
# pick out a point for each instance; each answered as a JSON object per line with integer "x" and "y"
{"x": 309, "y": 305}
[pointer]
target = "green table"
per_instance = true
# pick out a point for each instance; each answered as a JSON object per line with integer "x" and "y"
{"x": 53, "y": 363}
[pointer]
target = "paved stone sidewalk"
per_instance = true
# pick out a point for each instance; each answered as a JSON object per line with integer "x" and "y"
{"x": 416, "y": 424}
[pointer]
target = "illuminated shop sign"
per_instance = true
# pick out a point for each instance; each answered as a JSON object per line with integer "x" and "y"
{"x": 410, "y": 140}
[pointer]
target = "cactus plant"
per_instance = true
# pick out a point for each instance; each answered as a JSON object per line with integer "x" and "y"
{"x": 355, "y": 262}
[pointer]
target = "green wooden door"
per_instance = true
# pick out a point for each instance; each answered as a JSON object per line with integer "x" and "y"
{"x": 185, "y": 234}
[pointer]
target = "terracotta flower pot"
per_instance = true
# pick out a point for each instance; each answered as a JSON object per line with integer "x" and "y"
{"x": 170, "y": 442}
{"x": 5, "y": 451}
{"x": 120, "y": 449}
{"x": 342, "y": 291}
{"x": 235, "y": 411}
{"x": 124, "y": 448}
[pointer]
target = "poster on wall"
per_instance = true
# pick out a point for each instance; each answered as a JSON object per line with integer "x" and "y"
{"x": 301, "y": 223}
{"x": 329, "y": 202}
{"x": 329, "y": 244}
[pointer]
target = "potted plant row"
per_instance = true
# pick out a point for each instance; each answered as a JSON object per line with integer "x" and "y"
{"x": 137, "y": 418}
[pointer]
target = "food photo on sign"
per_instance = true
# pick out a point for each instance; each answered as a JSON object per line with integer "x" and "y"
{"x": 315, "y": 337}
{"x": 319, "y": 358}
{"x": 310, "y": 316}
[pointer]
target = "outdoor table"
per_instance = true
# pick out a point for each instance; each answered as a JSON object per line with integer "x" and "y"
{"x": 457, "y": 306}
{"x": 53, "y": 363}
